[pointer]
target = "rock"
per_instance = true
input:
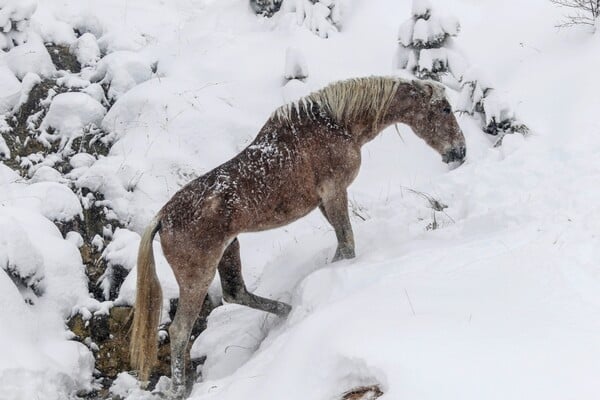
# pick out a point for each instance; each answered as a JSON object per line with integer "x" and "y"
{"x": 30, "y": 57}
{"x": 10, "y": 89}
{"x": 21, "y": 140}
{"x": 108, "y": 337}
{"x": 86, "y": 50}
{"x": 70, "y": 116}
{"x": 363, "y": 393}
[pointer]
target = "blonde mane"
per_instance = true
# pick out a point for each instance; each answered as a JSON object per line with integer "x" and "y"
{"x": 364, "y": 99}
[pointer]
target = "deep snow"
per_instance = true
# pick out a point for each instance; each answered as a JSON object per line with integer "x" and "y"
{"x": 501, "y": 301}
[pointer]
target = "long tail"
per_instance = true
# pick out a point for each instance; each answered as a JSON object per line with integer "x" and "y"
{"x": 143, "y": 348}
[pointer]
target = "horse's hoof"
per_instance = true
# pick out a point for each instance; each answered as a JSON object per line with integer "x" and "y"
{"x": 346, "y": 254}
{"x": 177, "y": 393}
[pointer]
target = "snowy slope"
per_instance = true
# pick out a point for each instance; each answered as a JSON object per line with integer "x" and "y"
{"x": 501, "y": 301}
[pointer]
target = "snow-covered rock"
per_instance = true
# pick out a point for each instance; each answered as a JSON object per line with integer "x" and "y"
{"x": 69, "y": 114}
{"x": 81, "y": 160}
{"x": 19, "y": 257}
{"x": 55, "y": 31}
{"x": 125, "y": 39}
{"x": 30, "y": 57}
{"x": 4, "y": 150}
{"x": 86, "y": 50}
{"x": 10, "y": 89}
{"x": 121, "y": 253}
{"x": 47, "y": 174}
{"x": 122, "y": 70}
{"x": 14, "y": 21}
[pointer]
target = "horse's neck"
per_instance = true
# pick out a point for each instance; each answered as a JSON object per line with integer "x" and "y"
{"x": 368, "y": 130}
{"x": 364, "y": 133}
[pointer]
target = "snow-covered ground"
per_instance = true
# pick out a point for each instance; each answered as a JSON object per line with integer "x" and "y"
{"x": 501, "y": 301}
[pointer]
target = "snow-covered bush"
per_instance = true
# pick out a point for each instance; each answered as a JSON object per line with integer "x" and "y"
{"x": 425, "y": 50}
{"x": 323, "y": 17}
{"x": 14, "y": 21}
{"x": 479, "y": 99}
{"x": 423, "y": 40}
{"x": 265, "y": 7}
{"x": 295, "y": 64}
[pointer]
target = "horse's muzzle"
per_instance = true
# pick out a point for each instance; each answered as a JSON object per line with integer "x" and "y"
{"x": 455, "y": 154}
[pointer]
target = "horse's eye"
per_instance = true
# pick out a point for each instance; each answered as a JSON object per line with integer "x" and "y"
{"x": 447, "y": 110}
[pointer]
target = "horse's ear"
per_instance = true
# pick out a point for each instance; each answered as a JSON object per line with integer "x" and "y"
{"x": 424, "y": 87}
{"x": 431, "y": 90}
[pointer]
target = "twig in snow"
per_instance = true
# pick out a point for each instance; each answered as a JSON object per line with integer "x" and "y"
{"x": 409, "y": 302}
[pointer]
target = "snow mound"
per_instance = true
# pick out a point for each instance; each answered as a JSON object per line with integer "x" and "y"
{"x": 121, "y": 39}
{"x": 46, "y": 174}
{"x": 52, "y": 200}
{"x": 120, "y": 252}
{"x": 30, "y": 57}
{"x": 122, "y": 70}
{"x": 69, "y": 114}
{"x": 19, "y": 257}
{"x": 295, "y": 64}
{"x": 10, "y": 89}
{"x": 36, "y": 358}
{"x": 294, "y": 90}
{"x": 86, "y": 50}
{"x": 14, "y": 21}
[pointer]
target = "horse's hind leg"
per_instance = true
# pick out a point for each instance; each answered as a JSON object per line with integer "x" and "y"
{"x": 335, "y": 210}
{"x": 193, "y": 280}
{"x": 234, "y": 288}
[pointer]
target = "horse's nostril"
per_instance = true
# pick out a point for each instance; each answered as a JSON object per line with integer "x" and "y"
{"x": 456, "y": 154}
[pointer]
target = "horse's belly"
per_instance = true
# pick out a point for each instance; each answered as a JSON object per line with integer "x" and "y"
{"x": 282, "y": 213}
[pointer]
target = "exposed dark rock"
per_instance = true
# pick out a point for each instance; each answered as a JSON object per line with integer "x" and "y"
{"x": 110, "y": 333}
{"x": 21, "y": 140}
{"x": 96, "y": 216}
{"x": 62, "y": 58}
{"x": 118, "y": 275}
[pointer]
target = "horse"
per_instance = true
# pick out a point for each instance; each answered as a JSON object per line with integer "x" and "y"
{"x": 305, "y": 156}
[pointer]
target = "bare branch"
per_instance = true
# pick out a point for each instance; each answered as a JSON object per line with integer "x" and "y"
{"x": 588, "y": 11}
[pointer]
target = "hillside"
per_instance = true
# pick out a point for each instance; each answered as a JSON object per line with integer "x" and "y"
{"x": 496, "y": 296}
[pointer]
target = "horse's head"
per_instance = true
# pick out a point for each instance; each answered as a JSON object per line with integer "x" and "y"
{"x": 427, "y": 111}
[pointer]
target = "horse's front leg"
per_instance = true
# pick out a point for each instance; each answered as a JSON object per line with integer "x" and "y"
{"x": 335, "y": 210}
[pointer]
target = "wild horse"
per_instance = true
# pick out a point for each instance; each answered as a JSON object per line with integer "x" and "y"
{"x": 305, "y": 156}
